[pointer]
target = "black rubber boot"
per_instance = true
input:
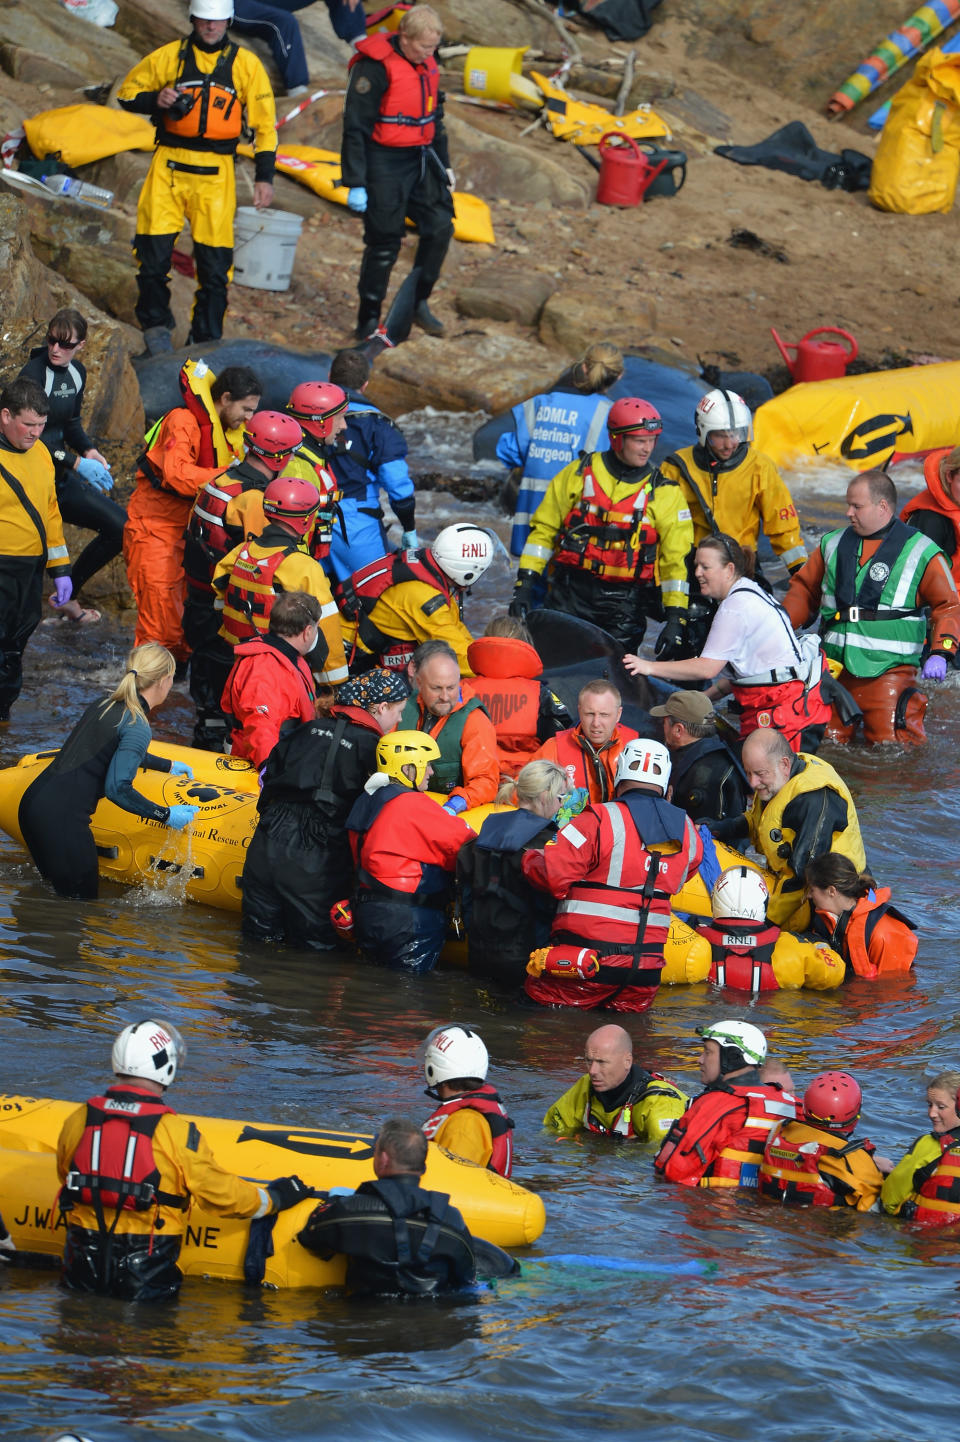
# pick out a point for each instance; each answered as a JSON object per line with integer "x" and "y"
{"x": 375, "y": 268}
{"x": 424, "y": 317}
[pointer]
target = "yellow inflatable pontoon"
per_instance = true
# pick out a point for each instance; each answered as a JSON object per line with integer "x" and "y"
{"x": 494, "y": 1208}
{"x": 796, "y": 963}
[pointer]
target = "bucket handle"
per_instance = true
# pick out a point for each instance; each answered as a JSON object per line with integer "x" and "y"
{"x": 619, "y": 135}
{"x": 649, "y": 149}
{"x": 836, "y": 330}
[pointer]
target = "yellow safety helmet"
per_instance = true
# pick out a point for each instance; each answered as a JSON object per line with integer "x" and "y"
{"x": 406, "y": 748}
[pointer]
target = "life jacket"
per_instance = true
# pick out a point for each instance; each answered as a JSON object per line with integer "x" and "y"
{"x": 573, "y": 749}
{"x": 359, "y": 593}
{"x": 622, "y": 1124}
{"x": 448, "y": 767}
{"x": 935, "y": 498}
{"x": 742, "y": 954}
{"x": 508, "y": 917}
{"x": 737, "y": 1163}
{"x": 408, "y": 109}
{"x": 788, "y": 697}
{"x": 326, "y": 483}
{"x": 114, "y": 1166}
{"x": 217, "y": 448}
{"x": 612, "y": 540}
{"x": 208, "y": 537}
{"x": 792, "y": 1160}
{"x": 506, "y": 680}
{"x": 937, "y": 1200}
{"x": 851, "y": 933}
{"x": 765, "y": 819}
{"x": 485, "y": 1101}
{"x": 251, "y": 592}
{"x": 215, "y": 120}
{"x": 383, "y": 873}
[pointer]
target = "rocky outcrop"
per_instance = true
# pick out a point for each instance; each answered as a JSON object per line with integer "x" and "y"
{"x": 506, "y": 293}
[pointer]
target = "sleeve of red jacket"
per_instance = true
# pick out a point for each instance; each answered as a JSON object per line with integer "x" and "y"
{"x": 696, "y": 1138}
{"x": 802, "y": 601}
{"x": 571, "y": 854}
{"x": 480, "y": 761}
{"x": 261, "y": 700}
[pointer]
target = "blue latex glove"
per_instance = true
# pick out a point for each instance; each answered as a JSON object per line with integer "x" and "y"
{"x": 710, "y": 867}
{"x": 357, "y": 198}
{"x": 180, "y": 768}
{"x": 62, "y": 590}
{"x": 455, "y": 805}
{"x": 94, "y": 474}
{"x": 181, "y": 816}
{"x": 409, "y": 541}
{"x": 934, "y": 669}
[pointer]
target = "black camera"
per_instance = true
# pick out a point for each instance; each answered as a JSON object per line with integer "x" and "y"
{"x": 182, "y": 106}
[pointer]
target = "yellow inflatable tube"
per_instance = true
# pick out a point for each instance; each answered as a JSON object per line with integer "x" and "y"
{"x": 493, "y": 1207}
{"x": 862, "y": 421}
{"x": 796, "y": 963}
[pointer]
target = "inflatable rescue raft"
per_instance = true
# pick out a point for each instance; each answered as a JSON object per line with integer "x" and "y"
{"x": 494, "y": 1208}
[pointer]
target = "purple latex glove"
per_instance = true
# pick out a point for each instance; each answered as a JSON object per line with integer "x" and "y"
{"x": 934, "y": 668}
{"x": 62, "y": 590}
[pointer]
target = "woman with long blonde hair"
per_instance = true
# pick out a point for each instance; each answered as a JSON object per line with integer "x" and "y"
{"x": 100, "y": 758}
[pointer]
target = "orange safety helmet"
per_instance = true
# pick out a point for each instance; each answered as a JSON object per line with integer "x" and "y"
{"x": 272, "y": 437}
{"x": 316, "y": 405}
{"x": 833, "y": 1098}
{"x": 293, "y": 502}
{"x": 630, "y": 414}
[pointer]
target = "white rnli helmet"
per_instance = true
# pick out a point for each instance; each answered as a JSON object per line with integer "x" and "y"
{"x": 211, "y": 9}
{"x": 463, "y": 553}
{"x": 722, "y": 411}
{"x": 149, "y": 1049}
{"x": 740, "y": 894}
{"x": 740, "y": 1044}
{"x": 454, "y": 1053}
{"x": 647, "y": 761}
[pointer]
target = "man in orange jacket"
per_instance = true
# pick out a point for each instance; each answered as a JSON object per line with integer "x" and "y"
{"x": 193, "y": 443}
{"x": 468, "y": 768}
{"x": 589, "y": 751}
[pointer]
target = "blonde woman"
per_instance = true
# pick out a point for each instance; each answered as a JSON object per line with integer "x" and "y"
{"x": 100, "y": 758}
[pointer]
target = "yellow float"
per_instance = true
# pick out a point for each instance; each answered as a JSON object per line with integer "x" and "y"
{"x": 796, "y": 963}
{"x": 494, "y": 1208}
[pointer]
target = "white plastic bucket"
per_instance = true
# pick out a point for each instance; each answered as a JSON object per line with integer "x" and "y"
{"x": 264, "y": 247}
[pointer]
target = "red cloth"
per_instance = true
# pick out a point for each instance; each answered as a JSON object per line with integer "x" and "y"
{"x": 265, "y": 689}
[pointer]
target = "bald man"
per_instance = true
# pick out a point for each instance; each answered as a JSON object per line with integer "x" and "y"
{"x": 617, "y": 1097}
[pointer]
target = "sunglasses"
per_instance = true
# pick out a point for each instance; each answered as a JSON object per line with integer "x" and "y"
{"x": 63, "y": 344}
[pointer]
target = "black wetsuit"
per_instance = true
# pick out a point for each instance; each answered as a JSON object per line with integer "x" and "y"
{"x": 708, "y": 780}
{"x": 506, "y": 917}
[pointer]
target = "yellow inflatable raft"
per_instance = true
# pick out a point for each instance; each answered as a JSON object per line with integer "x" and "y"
{"x": 493, "y": 1207}
{"x": 863, "y": 421}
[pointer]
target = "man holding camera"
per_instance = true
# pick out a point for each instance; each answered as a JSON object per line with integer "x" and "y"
{"x": 196, "y": 91}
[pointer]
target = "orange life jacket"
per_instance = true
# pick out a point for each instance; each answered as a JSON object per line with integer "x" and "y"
{"x": 611, "y": 540}
{"x": 506, "y": 681}
{"x": 594, "y": 770}
{"x": 250, "y": 593}
{"x": 935, "y": 498}
{"x": 485, "y": 1101}
{"x": 852, "y": 933}
{"x": 215, "y": 119}
{"x": 408, "y": 109}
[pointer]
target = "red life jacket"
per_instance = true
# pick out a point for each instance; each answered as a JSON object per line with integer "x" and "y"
{"x": 938, "y": 1199}
{"x": 611, "y": 540}
{"x": 326, "y": 484}
{"x": 358, "y": 595}
{"x": 737, "y": 1162}
{"x": 408, "y": 110}
{"x": 114, "y": 1164}
{"x": 742, "y": 955}
{"x": 790, "y": 1170}
{"x": 506, "y": 681}
{"x": 250, "y": 593}
{"x": 208, "y": 537}
{"x": 486, "y": 1101}
{"x": 935, "y": 498}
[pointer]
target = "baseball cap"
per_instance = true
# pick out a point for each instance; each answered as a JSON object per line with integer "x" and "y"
{"x": 693, "y": 706}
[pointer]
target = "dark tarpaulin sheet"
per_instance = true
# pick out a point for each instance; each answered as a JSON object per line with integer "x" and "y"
{"x": 792, "y": 148}
{"x": 621, "y": 19}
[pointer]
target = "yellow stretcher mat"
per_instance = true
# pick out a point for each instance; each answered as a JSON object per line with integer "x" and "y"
{"x": 586, "y": 124}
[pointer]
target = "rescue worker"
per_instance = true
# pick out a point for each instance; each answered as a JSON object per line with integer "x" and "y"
{"x": 553, "y": 429}
{"x": 270, "y": 686}
{"x": 505, "y": 917}
{"x": 398, "y": 1238}
{"x": 83, "y": 472}
{"x": 855, "y": 916}
{"x": 100, "y": 758}
{"x": 816, "y": 1161}
{"x": 731, "y": 488}
{"x": 613, "y": 870}
{"x": 750, "y": 650}
{"x": 615, "y": 536}
{"x": 320, "y": 408}
{"x": 508, "y": 679}
{"x": 405, "y": 850}
{"x": 228, "y": 509}
{"x": 298, "y": 864}
{"x": 719, "y": 1140}
{"x": 32, "y": 545}
{"x": 467, "y": 769}
{"x": 706, "y": 776}
{"x": 924, "y": 1186}
{"x": 130, "y": 1169}
{"x": 590, "y": 751}
{"x": 935, "y": 511}
{"x": 801, "y": 808}
{"x": 393, "y": 604}
{"x": 618, "y": 1097}
{"x": 470, "y": 1120}
{"x": 871, "y": 582}
{"x": 274, "y": 24}
{"x": 196, "y": 91}
{"x": 192, "y": 445}
{"x": 253, "y": 574}
{"x": 371, "y": 459}
{"x": 395, "y": 161}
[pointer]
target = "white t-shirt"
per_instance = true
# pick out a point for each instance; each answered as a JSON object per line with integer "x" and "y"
{"x": 751, "y": 632}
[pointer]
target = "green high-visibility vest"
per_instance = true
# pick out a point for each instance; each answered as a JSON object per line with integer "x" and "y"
{"x": 872, "y": 618}
{"x": 448, "y": 771}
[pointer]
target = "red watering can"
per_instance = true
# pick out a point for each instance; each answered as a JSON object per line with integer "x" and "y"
{"x": 818, "y": 360}
{"x": 625, "y": 172}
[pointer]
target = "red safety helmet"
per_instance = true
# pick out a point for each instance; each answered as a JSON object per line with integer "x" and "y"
{"x": 628, "y": 415}
{"x": 272, "y": 437}
{"x": 833, "y": 1098}
{"x": 293, "y": 502}
{"x": 316, "y": 405}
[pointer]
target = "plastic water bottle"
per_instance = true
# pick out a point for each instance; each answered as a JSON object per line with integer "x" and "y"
{"x": 81, "y": 190}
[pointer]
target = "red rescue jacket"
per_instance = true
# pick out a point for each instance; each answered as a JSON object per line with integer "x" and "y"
{"x": 113, "y": 1166}
{"x": 612, "y": 540}
{"x": 719, "y": 1140}
{"x": 742, "y": 955}
{"x": 265, "y": 690}
{"x": 250, "y": 594}
{"x": 408, "y": 110}
{"x": 486, "y": 1101}
{"x": 507, "y": 681}
{"x": 404, "y": 843}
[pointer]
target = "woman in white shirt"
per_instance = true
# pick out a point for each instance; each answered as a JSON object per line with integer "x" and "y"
{"x": 752, "y": 641}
